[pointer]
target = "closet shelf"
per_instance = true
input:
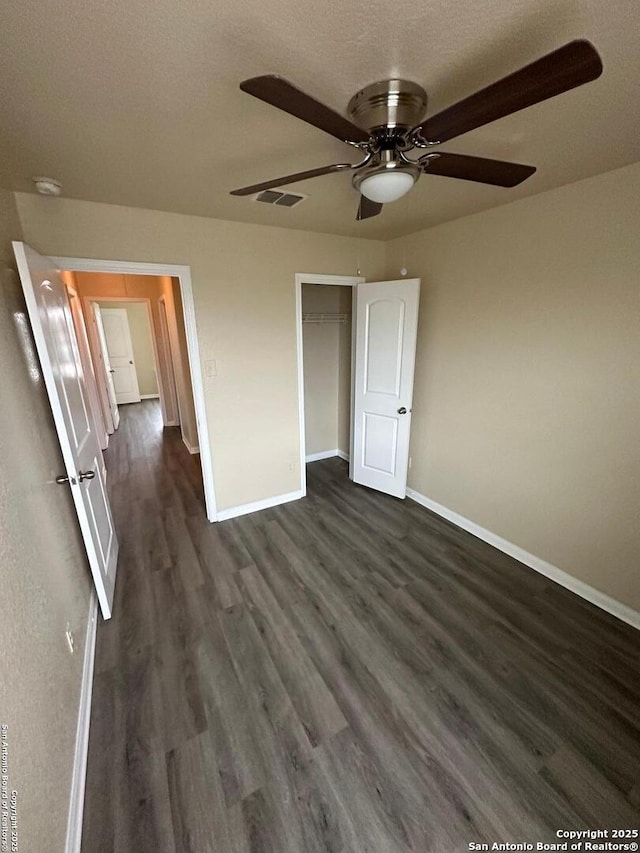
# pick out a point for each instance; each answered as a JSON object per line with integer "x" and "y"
{"x": 324, "y": 318}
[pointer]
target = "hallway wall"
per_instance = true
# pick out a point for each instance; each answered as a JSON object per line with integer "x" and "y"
{"x": 181, "y": 369}
{"x": 45, "y": 577}
{"x": 99, "y": 285}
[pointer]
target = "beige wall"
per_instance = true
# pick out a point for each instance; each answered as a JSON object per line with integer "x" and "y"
{"x": 140, "y": 329}
{"x": 244, "y": 295}
{"x": 527, "y": 406}
{"x": 45, "y": 579}
{"x": 327, "y": 369}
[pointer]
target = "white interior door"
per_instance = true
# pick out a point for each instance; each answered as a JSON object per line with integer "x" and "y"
{"x": 115, "y": 323}
{"x": 87, "y": 367}
{"x": 385, "y": 350}
{"x": 54, "y": 334}
{"x": 108, "y": 370}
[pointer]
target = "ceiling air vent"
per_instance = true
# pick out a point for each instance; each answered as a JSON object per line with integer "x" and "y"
{"x": 281, "y": 199}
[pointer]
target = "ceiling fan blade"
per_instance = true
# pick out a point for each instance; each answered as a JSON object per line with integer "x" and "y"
{"x": 292, "y": 179}
{"x": 285, "y": 96}
{"x": 367, "y": 208}
{"x": 572, "y": 65}
{"x": 496, "y": 172}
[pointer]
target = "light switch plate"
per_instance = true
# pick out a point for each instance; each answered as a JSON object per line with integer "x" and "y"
{"x": 210, "y": 368}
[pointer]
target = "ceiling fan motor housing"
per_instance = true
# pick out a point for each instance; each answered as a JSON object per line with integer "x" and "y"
{"x": 389, "y": 105}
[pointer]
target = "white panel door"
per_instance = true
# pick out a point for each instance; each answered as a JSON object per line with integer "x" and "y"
{"x": 55, "y": 337}
{"x": 386, "y": 329}
{"x": 108, "y": 370}
{"x": 115, "y": 323}
{"x": 87, "y": 367}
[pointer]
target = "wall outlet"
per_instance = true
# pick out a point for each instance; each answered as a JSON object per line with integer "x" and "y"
{"x": 70, "y": 639}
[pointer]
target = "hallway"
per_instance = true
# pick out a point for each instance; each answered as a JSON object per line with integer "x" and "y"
{"x": 344, "y": 673}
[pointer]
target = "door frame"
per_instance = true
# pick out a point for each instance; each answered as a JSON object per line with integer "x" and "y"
{"x": 183, "y": 273}
{"x": 88, "y": 300}
{"x": 172, "y": 388}
{"x": 339, "y": 281}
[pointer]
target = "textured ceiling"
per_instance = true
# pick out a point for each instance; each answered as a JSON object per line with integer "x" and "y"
{"x": 136, "y": 102}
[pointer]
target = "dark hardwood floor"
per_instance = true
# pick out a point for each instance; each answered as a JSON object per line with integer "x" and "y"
{"x": 345, "y": 673}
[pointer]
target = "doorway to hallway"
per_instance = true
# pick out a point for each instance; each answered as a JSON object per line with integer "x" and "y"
{"x": 185, "y": 354}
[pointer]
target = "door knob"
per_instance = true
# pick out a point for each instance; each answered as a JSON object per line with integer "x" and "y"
{"x": 62, "y": 479}
{"x": 111, "y": 370}
{"x": 402, "y": 410}
{"x": 86, "y": 475}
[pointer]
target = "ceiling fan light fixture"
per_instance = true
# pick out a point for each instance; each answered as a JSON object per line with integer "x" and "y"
{"x": 387, "y": 186}
{"x": 386, "y": 182}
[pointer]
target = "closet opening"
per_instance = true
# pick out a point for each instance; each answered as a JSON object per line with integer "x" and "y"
{"x": 325, "y": 366}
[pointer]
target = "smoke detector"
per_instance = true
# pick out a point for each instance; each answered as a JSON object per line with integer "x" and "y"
{"x": 48, "y": 186}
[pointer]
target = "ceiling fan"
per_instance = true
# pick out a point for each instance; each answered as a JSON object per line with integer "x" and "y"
{"x": 386, "y": 122}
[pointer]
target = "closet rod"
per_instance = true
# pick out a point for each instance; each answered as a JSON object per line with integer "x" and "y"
{"x": 324, "y": 318}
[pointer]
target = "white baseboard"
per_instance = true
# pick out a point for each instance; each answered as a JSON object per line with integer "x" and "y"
{"x": 149, "y": 396}
{"x": 192, "y": 448}
{"x": 171, "y": 423}
{"x": 256, "y": 506}
{"x": 589, "y": 593}
{"x": 323, "y": 454}
{"x": 79, "y": 776}
{"x": 342, "y": 455}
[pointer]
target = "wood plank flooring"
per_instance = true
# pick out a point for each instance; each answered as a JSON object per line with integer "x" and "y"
{"x": 348, "y": 673}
